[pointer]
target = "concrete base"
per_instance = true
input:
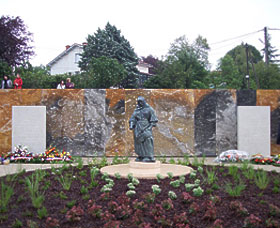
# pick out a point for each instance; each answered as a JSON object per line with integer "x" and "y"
{"x": 146, "y": 170}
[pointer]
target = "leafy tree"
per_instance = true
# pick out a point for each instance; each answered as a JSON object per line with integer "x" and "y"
{"x": 185, "y": 66}
{"x": 5, "y": 69}
{"x": 227, "y": 75}
{"x": 238, "y": 55}
{"x": 271, "y": 51}
{"x": 105, "y": 72}
{"x": 14, "y": 41}
{"x": 110, "y": 43}
{"x": 269, "y": 76}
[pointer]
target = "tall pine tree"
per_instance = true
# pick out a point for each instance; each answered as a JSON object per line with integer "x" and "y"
{"x": 110, "y": 43}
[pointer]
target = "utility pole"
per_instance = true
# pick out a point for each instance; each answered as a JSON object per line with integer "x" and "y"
{"x": 247, "y": 62}
{"x": 266, "y": 45}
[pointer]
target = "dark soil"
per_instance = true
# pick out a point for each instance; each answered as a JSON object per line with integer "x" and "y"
{"x": 213, "y": 209}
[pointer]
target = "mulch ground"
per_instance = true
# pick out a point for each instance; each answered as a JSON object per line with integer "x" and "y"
{"x": 73, "y": 208}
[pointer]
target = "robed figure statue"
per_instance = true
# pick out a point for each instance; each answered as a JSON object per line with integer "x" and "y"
{"x": 141, "y": 122}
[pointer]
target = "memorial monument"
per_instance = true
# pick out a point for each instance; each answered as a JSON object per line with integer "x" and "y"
{"x": 141, "y": 122}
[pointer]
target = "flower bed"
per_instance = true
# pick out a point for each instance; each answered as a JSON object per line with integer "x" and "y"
{"x": 82, "y": 197}
{"x": 22, "y": 154}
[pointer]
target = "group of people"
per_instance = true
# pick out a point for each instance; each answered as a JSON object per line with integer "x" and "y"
{"x": 8, "y": 84}
{"x": 68, "y": 85}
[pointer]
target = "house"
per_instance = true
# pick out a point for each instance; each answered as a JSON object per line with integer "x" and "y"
{"x": 67, "y": 61}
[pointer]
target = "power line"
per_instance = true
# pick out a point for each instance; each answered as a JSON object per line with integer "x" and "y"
{"x": 273, "y": 28}
{"x": 222, "y": 41}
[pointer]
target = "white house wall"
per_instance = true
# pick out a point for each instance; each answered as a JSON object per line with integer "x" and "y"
{"x": 67, "y": 63}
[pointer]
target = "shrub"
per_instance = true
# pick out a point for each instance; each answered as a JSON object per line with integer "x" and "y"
{"x": 175, "y": 184}
{"x": 172, "y": 195}
{"x": 130, "y": 193}
{"x": 198, "y": 191}
{"x": 156, "y": 189}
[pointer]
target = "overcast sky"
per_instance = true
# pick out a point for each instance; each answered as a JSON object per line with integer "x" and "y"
{"x": 149, "y": 25}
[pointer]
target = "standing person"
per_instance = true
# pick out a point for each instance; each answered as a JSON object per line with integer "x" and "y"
{"x": 18, "y": 82}
{"x": 141, "y": 122}
{"x": 69, "y": 84}
{"x": 6, "y": 83}
{"x": 61, "y": 85}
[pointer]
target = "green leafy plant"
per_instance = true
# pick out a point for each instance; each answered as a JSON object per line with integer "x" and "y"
{"x": 103, "y": 162}
{"x": 193, "y": 174}
{"x": 106, "y": 188}
{"x": 130, "y": 193}
{"x": 182, "y": 179}
{"x": 83, "y": 190}
{"x": 131, "y": 186}
{"x": 189, "y": 187}
{"x": 42, "y": 213}
{"x": 172, "y": 161}
{"x": 211, "y": 176}
{"x": 172, "y": 195}
{"x": 197, "y": 182}
{"x": 200, "y": 169}
{"x": 186, "y": 160}
{"x": 233, "y": 171}
{"x": 6, "y": 194}
{"x": 17, "y": 224}
{"x": 159, "y": 177}
{"x": 80, "y": 162}
{"x": 261, "y": 179}
{"x": 234, "y": 191}
{"x": 65, "y": 180}
{"x": 156, "y": 189}
{"x": 32, "y": 183}
{"x": 135, "y": 181}
{"x": 118, "y": 176}
{"x": 175, "y": 184}
{"x": 150, "y": 197}
{"x": 249, "y": 173}
{"x": 71, "y": 204}
{"x": 170, "y": 175}
{"x": 62, "y": 195}
{"x": 198, "y": 191}
{"x": 130, "y": 177}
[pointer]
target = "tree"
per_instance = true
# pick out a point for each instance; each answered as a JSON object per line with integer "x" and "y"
{"x": 185, "y": 65}
{"x": 15, "y": 49}
{"x": 228, "y": 76}
{"x": 110, "y": 43}
{"x": 105, "y": 72}
{"x": 271, "y": 51}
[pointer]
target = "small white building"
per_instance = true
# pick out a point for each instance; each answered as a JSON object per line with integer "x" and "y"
{"x": 67, "y": 61}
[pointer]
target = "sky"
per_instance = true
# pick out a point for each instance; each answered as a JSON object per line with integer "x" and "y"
{"x": 149, "y": 25}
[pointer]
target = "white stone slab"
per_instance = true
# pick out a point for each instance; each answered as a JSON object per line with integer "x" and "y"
{"x": 29, "y": 127}
{"x": 253, "y": 129}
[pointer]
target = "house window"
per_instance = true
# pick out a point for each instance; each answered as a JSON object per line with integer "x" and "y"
{"x": 77, "y": 57}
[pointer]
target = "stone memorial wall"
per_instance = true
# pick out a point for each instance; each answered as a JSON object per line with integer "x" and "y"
{"x": 90, "y": 122}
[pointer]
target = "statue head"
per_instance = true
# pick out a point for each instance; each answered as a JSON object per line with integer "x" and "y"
{"x": 141, "y": 102}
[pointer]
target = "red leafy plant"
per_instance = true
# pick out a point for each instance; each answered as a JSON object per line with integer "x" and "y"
{"x": 216, "y": 199}
{"x": 187, "y": 198}
{"x": 271, "y": 223}
{"x": 112, "y": 224}
{"x": 167, "y": 204}
{"x": 211, "y": 211}
{"x": 237, "y": 207}
{"x": 217, "y": 224}
{"x": 145, "y": 225}
{"x": 94, "y": 210}
{"x": 52, "y": 222}
{"x": 112, "y": 206}
{"x": 105, "y": 196}
{"x": 74, "y": 214}
{"x": 150, "y": 197}
{"x": 137, "y": 217}
{"x": 181, "y": 220}
{"x": 274, "y": 210}
{"x": 194, "y": 208}
{"x": 139, "y": 204}
{"x": 252, "y": 221}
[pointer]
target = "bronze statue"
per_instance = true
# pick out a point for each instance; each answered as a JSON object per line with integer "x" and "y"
{"x": 141, "y": 122}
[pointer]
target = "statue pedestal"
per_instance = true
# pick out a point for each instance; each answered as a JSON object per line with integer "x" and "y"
{"x": 146, "y": 170}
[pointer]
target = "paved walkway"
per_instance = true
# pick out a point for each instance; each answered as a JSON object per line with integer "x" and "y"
{"x": 14, "y": 168}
